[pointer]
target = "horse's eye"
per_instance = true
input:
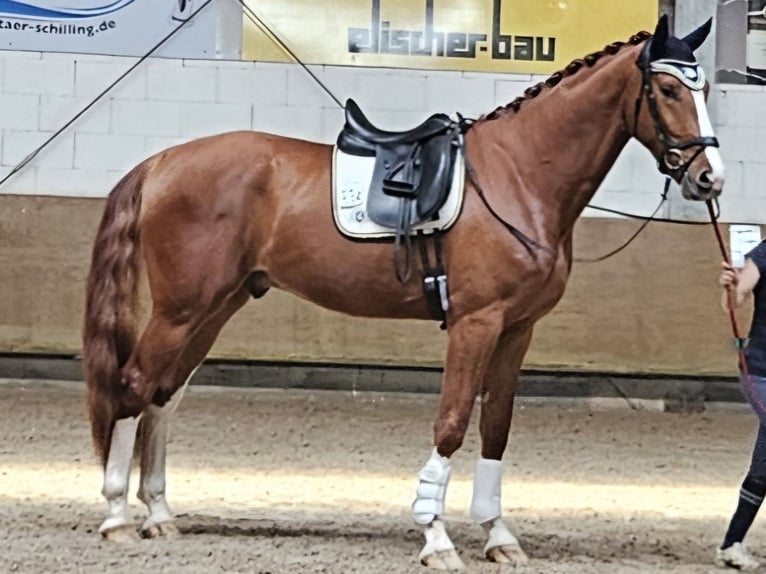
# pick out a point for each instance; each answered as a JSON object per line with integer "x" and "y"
{"x": 668, "y": 91}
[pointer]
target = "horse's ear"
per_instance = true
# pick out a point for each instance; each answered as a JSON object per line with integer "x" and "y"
{"x": 696, "y": 38}
{"x": 660, "y": 37}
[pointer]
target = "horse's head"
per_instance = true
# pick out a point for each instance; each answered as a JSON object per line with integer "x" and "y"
{"x": 670, "y": 114}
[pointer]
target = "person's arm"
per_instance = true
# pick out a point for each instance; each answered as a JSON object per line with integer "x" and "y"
{"x": 741, "y": 282}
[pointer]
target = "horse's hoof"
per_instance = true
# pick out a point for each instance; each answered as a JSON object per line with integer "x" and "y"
{"x": 121, "y": 534}
{"x": 161, "y": 530}
{"x": 443, "y": 560}
{"x": 508, "y": 554}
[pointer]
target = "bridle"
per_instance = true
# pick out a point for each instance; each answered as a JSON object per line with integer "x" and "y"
{"x": 692, "y": 76}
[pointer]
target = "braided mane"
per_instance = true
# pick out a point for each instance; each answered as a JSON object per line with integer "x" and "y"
{"x": 589, "y": 61}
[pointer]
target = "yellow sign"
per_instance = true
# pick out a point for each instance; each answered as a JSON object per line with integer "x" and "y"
{"x": 514, "y": 36}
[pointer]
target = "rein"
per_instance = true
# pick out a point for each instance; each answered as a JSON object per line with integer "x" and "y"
{"x": 533, "y": 246}
{"x": 529, "y": 244}
{"x": 635, "y": 233}
{"x": 646, "y": 221}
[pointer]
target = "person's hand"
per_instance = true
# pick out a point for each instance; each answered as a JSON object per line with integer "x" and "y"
{"x": 728, "y": 277}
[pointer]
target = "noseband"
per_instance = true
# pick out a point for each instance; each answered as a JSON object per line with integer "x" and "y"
{"x": 693, "y": 77}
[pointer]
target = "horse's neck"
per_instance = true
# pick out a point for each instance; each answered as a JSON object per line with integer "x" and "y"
{"x": 561, "y": 145}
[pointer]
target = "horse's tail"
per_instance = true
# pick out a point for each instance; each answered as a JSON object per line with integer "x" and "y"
{"x": 109, "y": 330}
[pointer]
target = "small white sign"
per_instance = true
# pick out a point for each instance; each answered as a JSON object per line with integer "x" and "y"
{"x": 742, "y": 239}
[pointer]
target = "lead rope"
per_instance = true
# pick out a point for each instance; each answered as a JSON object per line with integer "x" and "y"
{"x": 739, "y": 341}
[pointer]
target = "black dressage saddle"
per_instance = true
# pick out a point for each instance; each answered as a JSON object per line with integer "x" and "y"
{"x": 413, "y": 169}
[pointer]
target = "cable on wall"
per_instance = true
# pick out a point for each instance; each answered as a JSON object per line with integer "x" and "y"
{"x": 24, "y": 162}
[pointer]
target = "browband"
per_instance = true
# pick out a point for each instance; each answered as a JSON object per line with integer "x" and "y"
{"x": 691, "y": 75}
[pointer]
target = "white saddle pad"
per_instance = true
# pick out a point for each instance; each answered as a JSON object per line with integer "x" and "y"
{"x": 351, "y": 176}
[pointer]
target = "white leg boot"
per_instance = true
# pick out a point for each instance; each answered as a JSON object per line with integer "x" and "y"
{"x": 502, "y": 545}
{"x": 428, "y": 507}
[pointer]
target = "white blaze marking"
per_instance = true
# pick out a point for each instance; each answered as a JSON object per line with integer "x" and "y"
{"x": 706, "y": 129}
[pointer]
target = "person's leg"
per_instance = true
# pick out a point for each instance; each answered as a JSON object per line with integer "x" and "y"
{"x": 732, "y": 552}
{"x": 751, "y": 493}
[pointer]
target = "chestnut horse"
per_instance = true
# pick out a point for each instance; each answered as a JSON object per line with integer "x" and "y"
{"x": 221, "y": 219}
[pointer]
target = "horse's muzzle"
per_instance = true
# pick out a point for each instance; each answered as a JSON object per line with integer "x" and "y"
{"x": 701, "y": 186}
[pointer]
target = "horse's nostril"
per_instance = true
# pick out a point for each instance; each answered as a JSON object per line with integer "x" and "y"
{"x": 704, "y": 179}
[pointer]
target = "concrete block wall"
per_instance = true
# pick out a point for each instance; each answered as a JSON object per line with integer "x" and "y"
{"x": 741, "y": 130}
{"x": 164, "y": 102}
